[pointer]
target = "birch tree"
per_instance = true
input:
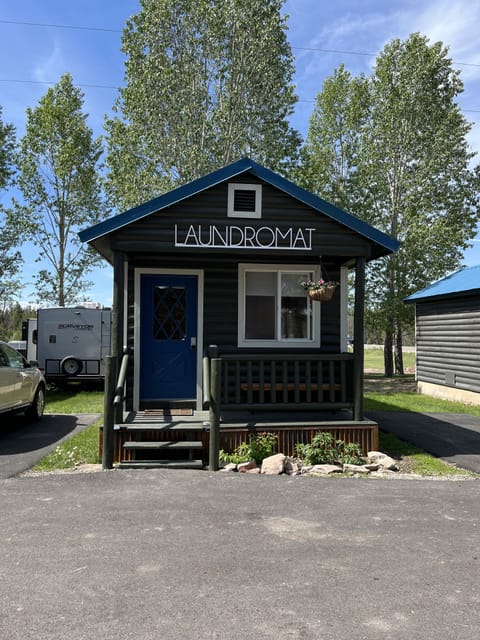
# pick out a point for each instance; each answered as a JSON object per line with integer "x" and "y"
{"x": 409, "y": 172}
{"x": 59, "y": 179}
{"x": 206, "y": 83}
{"x": 10, "y": 256}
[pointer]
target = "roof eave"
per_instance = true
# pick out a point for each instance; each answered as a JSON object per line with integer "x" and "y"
{"x": 384, "y": 243}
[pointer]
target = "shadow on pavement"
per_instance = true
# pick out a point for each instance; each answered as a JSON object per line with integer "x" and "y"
{"x": 454, "y": 437}
{"x": 24, "y": 443}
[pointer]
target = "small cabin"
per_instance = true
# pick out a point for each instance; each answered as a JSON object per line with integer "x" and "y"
{"x": 447, "y": 337}
{"x": 216, "y": 270}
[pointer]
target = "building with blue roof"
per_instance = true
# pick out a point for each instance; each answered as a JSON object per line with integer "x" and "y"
{"x": 447, "y": 336}
{"x": 219, "y": 267}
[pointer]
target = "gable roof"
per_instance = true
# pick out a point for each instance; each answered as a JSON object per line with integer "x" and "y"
{"x": 385, "y": 244}
{"x": 462, "y": 282}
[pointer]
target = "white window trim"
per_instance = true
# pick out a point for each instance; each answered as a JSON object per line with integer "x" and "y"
{"x": 234, "y": 186}
{"x": 283, "y": 344}
{"x": 343, "y": 309}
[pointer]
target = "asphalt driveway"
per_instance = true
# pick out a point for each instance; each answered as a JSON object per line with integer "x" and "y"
{"x": 454, "y": 437}
{"x": 191, "y": 555}
{"x": 24, "y": 443}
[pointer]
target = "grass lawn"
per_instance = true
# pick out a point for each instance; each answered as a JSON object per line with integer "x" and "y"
{"x": 374, "y": 360}
{"x": 82, "y": 448}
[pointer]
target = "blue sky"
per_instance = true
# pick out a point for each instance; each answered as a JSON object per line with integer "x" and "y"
{"x": 322, "y": 35}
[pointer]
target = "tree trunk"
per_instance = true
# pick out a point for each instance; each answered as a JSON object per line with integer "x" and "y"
{"x": 398, "y": 352}
{"x": 388, "y": 353}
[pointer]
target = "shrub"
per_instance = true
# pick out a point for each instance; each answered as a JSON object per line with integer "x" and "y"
{"x": 325, "y": 450}
{"x": 259, "y": 447}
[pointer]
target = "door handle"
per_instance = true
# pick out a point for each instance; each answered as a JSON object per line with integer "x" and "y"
{"x": 193, "y": 342}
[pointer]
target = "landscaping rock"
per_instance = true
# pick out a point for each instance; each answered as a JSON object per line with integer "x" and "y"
{"x": 356, "y": 468}
{"x": 274, "y": 465}
{"x": 376, "y": 463}
{"x": 326, "y": 469}
{"x": 383, "y": 460}
{"x": 243, "y": 467}
{"x": 291, "y": 467}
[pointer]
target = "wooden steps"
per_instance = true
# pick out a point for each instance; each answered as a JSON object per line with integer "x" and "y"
{"x": 150, "y": 440}
{"x": 183, "y": 441}
{"x": 190, "y": 445}
{"x": 162, "y": 464}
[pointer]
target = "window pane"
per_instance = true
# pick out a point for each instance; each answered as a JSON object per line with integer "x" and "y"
{"x": 169, "y": 313}
{"x": 260, "y": 291}
{"x": 296, "y": 307}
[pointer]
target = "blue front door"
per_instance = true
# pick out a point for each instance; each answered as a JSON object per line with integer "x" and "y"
{"x": 168, "y": 335}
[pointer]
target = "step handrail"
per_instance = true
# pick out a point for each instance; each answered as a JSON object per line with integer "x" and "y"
{"x": 122, "y": 375}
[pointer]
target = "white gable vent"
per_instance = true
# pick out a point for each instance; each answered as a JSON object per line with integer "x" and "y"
{"x": 244, "y": 200}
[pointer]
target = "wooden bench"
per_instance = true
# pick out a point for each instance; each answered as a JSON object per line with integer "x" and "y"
{"x": 279, "y": 386}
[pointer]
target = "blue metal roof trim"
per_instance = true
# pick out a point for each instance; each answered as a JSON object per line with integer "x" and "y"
{"x": 230, "y": 171}
{"x": 459, "y": 282}
{"x": 163, "y": 201}
{"x": 322, "y": 206}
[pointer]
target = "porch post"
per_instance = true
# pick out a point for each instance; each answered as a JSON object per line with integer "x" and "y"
{"x": 214, "y": 411}
{"x": 117, "y": 320}
{"x": 108, "y": 413}
{"x": 359, "y": 338}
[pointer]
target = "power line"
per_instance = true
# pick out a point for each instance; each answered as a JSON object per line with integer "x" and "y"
{"x": 86, "y": 85}
{"x": 109, "y": 86}
{"x": 110, "y": 30}
{"x": 59, "y": 26}
{"x": 105, "y": 29}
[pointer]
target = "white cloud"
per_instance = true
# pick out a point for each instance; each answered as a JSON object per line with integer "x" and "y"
{"x": 51, "y": 66}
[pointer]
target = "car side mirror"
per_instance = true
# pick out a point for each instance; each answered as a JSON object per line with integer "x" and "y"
{"x": 33, "y": 364}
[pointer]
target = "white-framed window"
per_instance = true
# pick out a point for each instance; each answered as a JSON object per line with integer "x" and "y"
{"x": 273, "y": 308}
{"x": 244, "y": 200}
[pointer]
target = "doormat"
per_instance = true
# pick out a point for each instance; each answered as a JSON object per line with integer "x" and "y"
{"x": 168, "y": 412}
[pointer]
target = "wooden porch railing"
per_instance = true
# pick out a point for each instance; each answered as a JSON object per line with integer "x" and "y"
{"x": 275, "y": 382}
{"x": 113, "y": 400}
{"x": 287, "y": 382}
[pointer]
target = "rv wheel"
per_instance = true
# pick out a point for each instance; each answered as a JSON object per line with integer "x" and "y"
{"x": 71, "y": 366}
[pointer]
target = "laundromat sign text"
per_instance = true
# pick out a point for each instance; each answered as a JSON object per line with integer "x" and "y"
{"x": 234, "y": 237}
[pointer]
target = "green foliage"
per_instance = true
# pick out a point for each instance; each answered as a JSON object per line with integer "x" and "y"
{"x": 324, "y": 449}
{"x": 58, "y": 164}
{"x": 10, "y": 258}
{"x": 11, "y": 318}
{"x": 259, "y": 447}
{"x": 7, "y": 147}
{"x": 330, "y": 153}
{"x": 206, "y": 83}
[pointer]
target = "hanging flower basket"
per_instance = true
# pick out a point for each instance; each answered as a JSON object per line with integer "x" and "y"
{"x": 323, "y": 294}
{"x": 320, "y": 290}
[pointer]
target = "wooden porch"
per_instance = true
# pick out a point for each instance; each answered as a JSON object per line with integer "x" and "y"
{"x": 291, "y": 396}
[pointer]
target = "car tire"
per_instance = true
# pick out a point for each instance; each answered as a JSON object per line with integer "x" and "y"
{"x": 35, "y": 410}
{"x": 71, "y": 366}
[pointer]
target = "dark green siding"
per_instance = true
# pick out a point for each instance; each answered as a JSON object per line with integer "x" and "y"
{"x": 155, "y": 233}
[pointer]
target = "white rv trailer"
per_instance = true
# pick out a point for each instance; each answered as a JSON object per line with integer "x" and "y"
{"x": 69, "y": 343}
